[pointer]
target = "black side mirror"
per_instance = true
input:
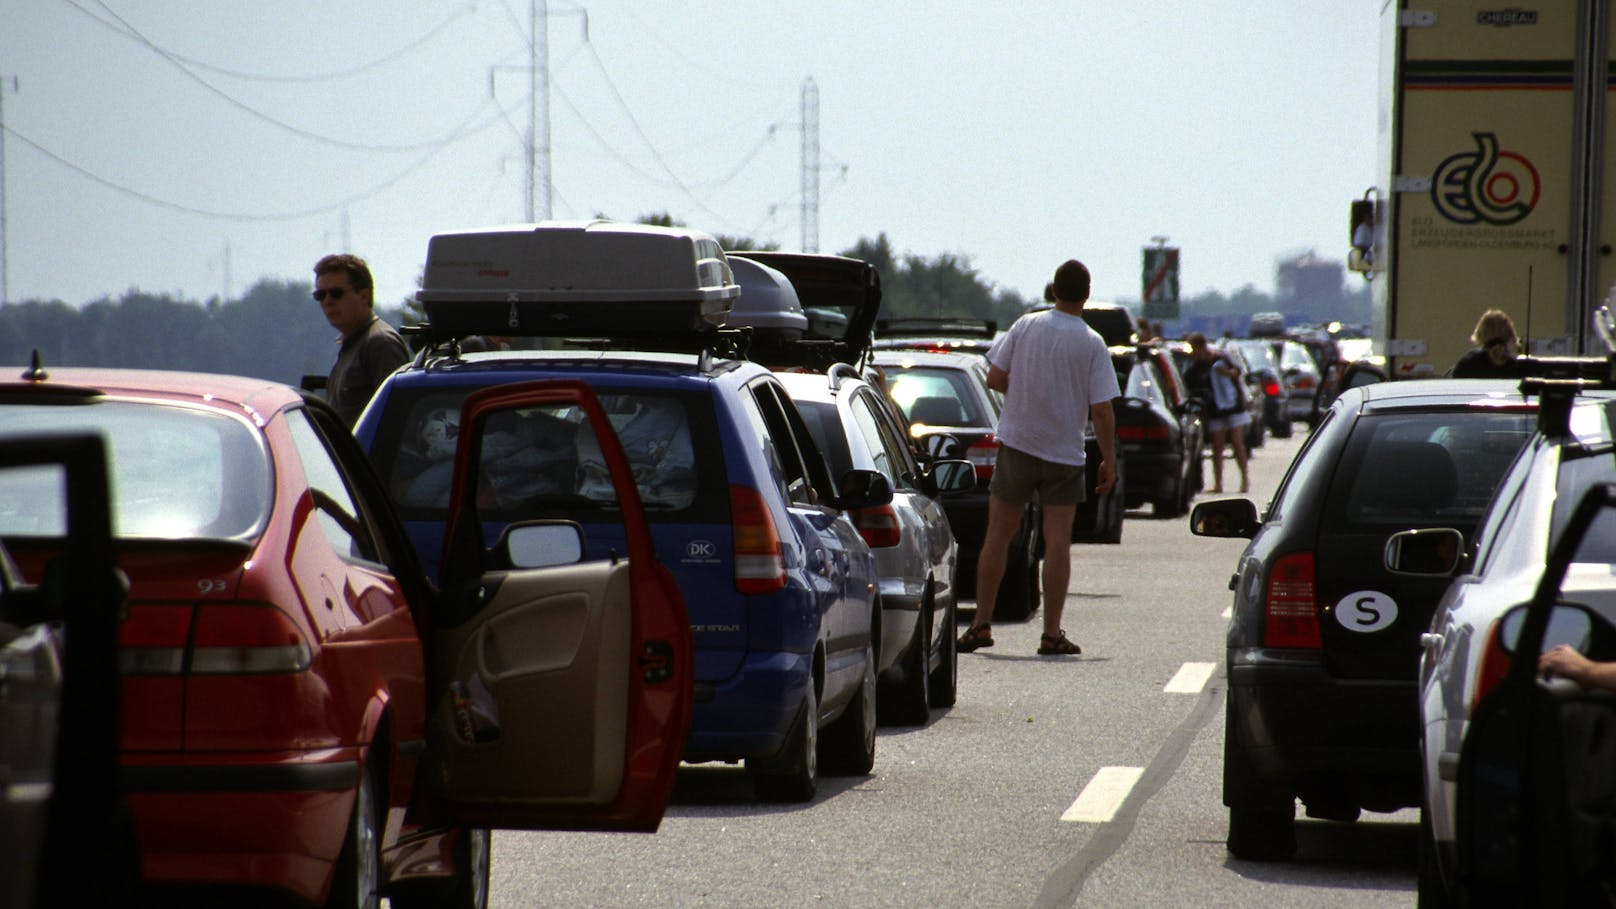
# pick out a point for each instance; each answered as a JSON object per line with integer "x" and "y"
{"x": 953, "y": 475}
{"x": 1225, "y": 518}
{"x": 1432, "y": 551}
{"x": 864, "y": 489}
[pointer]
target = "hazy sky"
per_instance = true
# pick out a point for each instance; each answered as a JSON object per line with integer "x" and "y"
{"x": 194, "y": 148}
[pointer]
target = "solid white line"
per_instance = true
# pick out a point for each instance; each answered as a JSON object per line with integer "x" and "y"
{"x": 1100, "y": 799}
{"x": 1228, "y": 612}
{"x": 1191, "y": 678}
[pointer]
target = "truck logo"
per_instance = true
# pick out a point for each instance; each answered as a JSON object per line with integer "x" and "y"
{"x": 1485, "y": 186}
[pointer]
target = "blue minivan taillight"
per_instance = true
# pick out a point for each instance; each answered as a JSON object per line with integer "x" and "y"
{"x": 760, "y": 565}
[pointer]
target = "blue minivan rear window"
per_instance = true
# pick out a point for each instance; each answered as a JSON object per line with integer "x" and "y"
{"x": 546, "y": 460}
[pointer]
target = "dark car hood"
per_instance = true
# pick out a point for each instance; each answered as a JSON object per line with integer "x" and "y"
{"x": 840, "y": 297}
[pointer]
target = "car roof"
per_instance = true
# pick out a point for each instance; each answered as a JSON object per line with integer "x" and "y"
{"x": 257, "y": 398}
{"x": 940, "y": 358}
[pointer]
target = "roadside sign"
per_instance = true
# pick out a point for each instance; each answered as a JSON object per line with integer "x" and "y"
{"x": 1161, "y": 282}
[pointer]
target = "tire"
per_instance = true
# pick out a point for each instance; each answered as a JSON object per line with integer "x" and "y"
{"x": 466, "y": 889}
{"x": 1262, "y": 822}
{"x": 793, "y": 775}
{"x": 356, "y": 880}
{"x": 1283, "y": 429}
{"x": 908, "y": 703}
{"x": 945, "y": 678}
{"x": 1262, "y": 834}
{"x": 1018, "y": 592}
{"x": 848, "y": 746}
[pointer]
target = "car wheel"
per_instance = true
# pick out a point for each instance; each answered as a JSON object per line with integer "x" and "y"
{"x": 355, "y": 882}
{"x": 908, "y": 703}
{"x": 466, "y": 889}
{"x": 848, "y": 748}
{"x": 792, "y": 776}
{"x": 1282, "y": 429}
{"x": 945, "y": 678}
{"x": 1262, "y": 834}
{"x": 1017, "y": 599}
{"x": 1430, "y": 890}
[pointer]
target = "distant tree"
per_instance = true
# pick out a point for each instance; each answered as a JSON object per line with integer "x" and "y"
{"x": 50, "y": 327}
{"x": 917, "y": 287}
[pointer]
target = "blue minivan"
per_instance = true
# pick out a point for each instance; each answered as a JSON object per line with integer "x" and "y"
{"x": 781, "y": 589}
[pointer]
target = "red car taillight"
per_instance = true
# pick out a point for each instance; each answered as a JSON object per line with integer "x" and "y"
{"x": 1271, "y": 388}
{"x": 760, "y": 567}
{"x": 247, "y": 639}
{"x": 1291, "y": 613}
{"x": 878, "y": 526}
{"x": 1495, "y": 663}
{"x": 1152, "y": 433}
{"x": 982, "y": 455}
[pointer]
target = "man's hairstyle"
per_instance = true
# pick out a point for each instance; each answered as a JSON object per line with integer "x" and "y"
{"x": 1071, "y": 282}
{"x": 355, "y": 268}
{"x": 1049, "y": 292}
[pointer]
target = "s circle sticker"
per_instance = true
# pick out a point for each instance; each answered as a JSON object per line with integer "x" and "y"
{"x": 1366, "y": 611}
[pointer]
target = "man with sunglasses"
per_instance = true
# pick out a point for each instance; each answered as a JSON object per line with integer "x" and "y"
{"x": 371, "y": 349}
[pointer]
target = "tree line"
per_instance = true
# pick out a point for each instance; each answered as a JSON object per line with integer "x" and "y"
{"x": 274, "y": 331}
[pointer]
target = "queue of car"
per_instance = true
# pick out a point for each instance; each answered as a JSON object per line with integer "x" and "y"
{"x": 1429, "y": 541}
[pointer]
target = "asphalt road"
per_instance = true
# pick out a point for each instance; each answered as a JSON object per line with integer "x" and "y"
{"x": 1054, "y": 782}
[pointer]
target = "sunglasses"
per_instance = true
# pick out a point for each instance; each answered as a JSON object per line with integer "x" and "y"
{"x": 335, "y": 293}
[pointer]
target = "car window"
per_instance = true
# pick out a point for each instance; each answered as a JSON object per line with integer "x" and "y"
{"x": 893, "y": 440}
{"x": 547, "y": 457}
{"x": 937, "y": 397}
{"x": 870, "y": 430}
{"x": 1424, "y": 467}
{"x": 1580, "y": 471}
{"x": 1502, "y": 520}
{"x": 825, "y": 425}
{"x": 176, "y": 472}
{"x": 790, "y": 453}
{"x": 344, "y": 524}
{"x": 1142, "y": 383}
{"x": 1313, "y": 460}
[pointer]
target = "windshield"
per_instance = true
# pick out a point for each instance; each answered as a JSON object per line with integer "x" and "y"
{"x": 931, "y": 396}
{"x": 175, "y": 472}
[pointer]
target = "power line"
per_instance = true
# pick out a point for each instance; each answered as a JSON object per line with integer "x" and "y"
{"x": 457, "y": 133}
{"x": 233, "y": 216}
{"x": 331, "y": 76}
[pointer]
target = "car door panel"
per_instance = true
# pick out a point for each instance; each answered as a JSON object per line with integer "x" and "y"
{"x": 577, "y": 679}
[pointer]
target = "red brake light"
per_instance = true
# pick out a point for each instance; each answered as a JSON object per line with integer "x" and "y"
{"x": 1304, "y": 382}
{"x": 1271, "y": 389}
{"x": 1291, "y": 612}
{"x": 1152, "y": 433}
{"x": 982, "y": 455}
{"x": 1495, "y": 663}
{"x": 247, "y": 639}
{"x": 878, "y": 526}
{"x": 760, "y": 566}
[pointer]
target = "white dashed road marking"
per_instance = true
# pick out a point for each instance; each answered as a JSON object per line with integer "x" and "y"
{"x": 1100, "y": 799}
{"x": 1228, "y": 612}
{"x": 1191, "y": 678}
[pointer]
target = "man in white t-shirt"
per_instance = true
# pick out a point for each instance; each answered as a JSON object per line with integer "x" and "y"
{"x": 1055, "y": 374}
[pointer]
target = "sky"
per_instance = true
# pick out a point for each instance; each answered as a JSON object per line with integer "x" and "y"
{"x": 194, "y": 149}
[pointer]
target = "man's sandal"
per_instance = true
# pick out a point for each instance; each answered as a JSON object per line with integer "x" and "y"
{"x": 974, "y": 637}
{"x": 1057, "y": 644}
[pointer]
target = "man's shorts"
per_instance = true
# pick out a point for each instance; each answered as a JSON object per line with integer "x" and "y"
{"x": 1017, "y": 476}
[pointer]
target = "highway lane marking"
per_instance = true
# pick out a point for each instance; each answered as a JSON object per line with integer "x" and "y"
{"x": 1103, "y": 796}
{"x": 1191, "y": 678}
{"x": 1228, "y": 612}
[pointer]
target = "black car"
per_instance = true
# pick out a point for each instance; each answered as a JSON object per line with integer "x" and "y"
{"x": 1159, "y": 431}
{"x": 1324, "y": 643}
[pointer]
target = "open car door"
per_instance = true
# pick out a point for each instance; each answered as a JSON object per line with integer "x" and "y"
{"x": 560, "y": 680}
{"x": 1536, "y": 794}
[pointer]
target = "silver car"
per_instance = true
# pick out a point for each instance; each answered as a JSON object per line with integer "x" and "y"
{"x": 916, "y": 555}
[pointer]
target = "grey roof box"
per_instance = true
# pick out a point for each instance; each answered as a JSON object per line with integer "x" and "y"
{"x": 589, "y": 278}
{"x": 768, "y": 302}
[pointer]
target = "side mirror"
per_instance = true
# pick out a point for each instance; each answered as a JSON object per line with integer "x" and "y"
{"x": 864, "y": 489}
{"x": 940, "y": 445}
{"x": 953, "y": 475}
{"x": 1361, "y": 258}
{"x": 540, "y": 544}
{"x": 1225, "y": 518}
{"x": 1567, "y": 625}
{"x": 1432, "y": 552}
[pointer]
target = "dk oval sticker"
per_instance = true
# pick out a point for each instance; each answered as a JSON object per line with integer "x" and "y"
{"x": 1366, "y": 611}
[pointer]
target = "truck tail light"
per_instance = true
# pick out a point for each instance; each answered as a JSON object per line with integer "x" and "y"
{"x": 982, "y": 454}
{"x": 1291, "y": 611}
{"x": 878, "y": 526}
{"x": 760, "y": 566}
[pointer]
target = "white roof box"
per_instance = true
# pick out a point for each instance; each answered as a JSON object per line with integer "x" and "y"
{"x": 576, "y": 278}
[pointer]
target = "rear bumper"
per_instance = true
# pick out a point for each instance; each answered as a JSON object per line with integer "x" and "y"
{"x": 749, "y": 714}
{"x": 258, "y": 820}
{"x": 1306, "y": 732}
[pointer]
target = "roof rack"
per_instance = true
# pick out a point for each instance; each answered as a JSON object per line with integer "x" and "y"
{"x": 1558, "y": 380}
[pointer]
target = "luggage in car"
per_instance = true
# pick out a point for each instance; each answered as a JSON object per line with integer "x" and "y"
{"x": 576, "y": 279}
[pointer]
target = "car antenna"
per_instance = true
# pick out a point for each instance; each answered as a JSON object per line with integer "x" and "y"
{"x": 36, "y": 370}
{"x": 1526, "y": 342}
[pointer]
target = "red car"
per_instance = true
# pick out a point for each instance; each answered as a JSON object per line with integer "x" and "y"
{"x": 301, "y": 709}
